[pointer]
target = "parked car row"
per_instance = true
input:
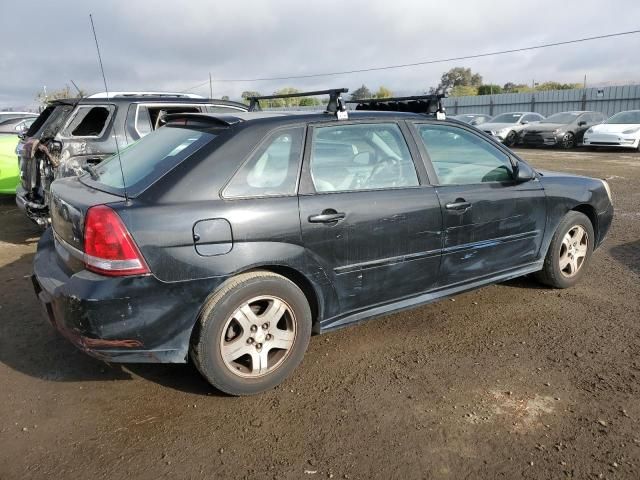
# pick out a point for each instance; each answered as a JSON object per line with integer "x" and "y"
{"x": 227, "y": 237}
{"x": 564, "y": 129}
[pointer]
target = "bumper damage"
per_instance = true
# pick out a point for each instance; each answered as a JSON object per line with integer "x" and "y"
{"x": 125, "y": 319}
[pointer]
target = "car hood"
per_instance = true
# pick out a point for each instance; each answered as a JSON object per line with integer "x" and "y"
{"x": 498, "y": 126}
{"x": 552, "y": 173}
{"x": 613, "y": 127}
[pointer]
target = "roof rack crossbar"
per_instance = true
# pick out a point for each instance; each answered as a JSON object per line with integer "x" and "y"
{"x": 335, "y": 105}
{"x": 431, "y": 103}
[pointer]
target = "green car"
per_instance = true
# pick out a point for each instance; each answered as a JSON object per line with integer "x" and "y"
{"x": 9, "y": 171}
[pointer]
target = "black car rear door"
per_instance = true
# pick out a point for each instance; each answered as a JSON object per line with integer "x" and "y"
{"x": 368, "y": 217}
{"x": 491, "y": 222}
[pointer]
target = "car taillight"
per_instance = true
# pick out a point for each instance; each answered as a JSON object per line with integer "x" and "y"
{"x": 108, "y": 247}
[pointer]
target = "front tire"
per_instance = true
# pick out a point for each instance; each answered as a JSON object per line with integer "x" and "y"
{"x": 569, "y": 252}
{"x": 568, "y": 141}
{"x": 511, "y": 139}
{"x": 252, "y": 333}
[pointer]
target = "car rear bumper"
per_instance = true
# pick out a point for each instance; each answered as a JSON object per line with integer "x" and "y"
{"x": 118, "y": 319}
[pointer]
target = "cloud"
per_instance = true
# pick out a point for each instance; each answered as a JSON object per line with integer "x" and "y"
{"x": 150, "y": 45}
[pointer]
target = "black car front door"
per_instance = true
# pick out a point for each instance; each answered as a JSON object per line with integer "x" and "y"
{"x": 366, "y": 217}
{"x": 491, "y": 222}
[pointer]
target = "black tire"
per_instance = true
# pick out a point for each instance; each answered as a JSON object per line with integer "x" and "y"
{"x": 511, "y": 139}
{"x": 552, "y": 274}
{"x": 206, "y": 349}
{"x": 568, "y": 141}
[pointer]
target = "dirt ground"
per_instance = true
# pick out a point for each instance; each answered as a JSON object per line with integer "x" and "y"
{"x": 511, "y": 381}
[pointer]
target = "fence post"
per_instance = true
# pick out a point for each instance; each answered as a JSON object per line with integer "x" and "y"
{"x": 491, "y": 105}
{"x": 455, "y": 107}
{"x": 584, "y": 100}
{"x": 533, "y": 102}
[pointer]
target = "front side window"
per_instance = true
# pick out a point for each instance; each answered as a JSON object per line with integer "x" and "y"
{"x": 361, "y": 157}
{"x": 460, "y": 157}
{"x": 89, "y": 121}
{"x": 272, "y": 170}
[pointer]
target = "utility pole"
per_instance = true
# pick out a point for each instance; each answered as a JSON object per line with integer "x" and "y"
{"x": 585, "y": 80}
{"x": 210, "y": 86}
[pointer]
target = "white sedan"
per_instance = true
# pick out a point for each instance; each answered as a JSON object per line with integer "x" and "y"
{"x": 621, "y": 130}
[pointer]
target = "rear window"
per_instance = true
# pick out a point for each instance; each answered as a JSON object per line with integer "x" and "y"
{"x": 146, "y": 160}
{"x": 49, "y": 120}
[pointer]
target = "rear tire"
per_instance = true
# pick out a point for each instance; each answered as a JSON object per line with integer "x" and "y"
{"x": 569, "y": 253}
{"x": 252, "y": 333}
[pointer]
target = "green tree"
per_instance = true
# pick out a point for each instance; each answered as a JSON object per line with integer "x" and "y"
{"x": 225, "y": 97}
{"x": 489, "y": 89}
{"x": 457, "y": 77}
{"x": 557, "y": 86}
{"x": 309, "y": 102}
{"x": 383, "y": 92}
{"x": 247, "y": 94}
{"x": 361, "y": 93}
{"x": 463, "y": 91}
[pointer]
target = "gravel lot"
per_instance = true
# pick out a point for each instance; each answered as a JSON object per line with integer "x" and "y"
{"x": 511, "y": 381}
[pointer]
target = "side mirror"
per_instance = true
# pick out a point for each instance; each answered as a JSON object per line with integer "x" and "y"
{"x": 582, "y": 123}
{"x": 524, "y": 172}
{"x": 524, "y": 122}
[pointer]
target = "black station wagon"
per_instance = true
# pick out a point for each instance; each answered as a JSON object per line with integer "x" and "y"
{"x": 238, "y": 235}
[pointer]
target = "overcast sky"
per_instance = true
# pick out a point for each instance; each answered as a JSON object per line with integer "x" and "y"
{"x": 152, "y": 45}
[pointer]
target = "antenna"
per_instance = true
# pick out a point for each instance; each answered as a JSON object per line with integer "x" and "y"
{"x": 76, "y": 87}
{"x": 106, "y": 89}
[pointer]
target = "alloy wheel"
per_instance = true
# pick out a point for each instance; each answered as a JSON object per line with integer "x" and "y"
{"x": 258, "y": 337}
{"x": 568, "y": 141}
{"x": 573, "y": 250}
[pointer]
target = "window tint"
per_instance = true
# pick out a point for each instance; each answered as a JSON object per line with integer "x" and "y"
{"x": 272, "y": 169}
{"x": 361, "y": 157}
{"x": 151, "y": 157}
{"x": 89, "y": 121}
{"x": 460, "y": 157}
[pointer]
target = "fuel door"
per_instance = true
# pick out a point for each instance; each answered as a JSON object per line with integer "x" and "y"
{"x": 212, "y": 237}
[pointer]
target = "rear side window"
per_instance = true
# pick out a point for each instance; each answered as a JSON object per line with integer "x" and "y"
{"x": 272, "y": 170}
{"x": 151, "y": 157}
{"x": 361, "y": 157}
{"x": 89, "y": 121}
{"x": 460, "y": 157}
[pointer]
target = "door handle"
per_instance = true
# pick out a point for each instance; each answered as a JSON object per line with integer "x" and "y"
{"x": 327, "y": 216}
{"x": 458, "y": 205}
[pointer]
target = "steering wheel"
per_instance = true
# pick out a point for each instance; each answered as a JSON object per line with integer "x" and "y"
{"x": 388, "y": 166}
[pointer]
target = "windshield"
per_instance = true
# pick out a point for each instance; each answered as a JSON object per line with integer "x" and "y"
{"x": 562, "y": 118}
{"x": 152, "y": 156}
{"x": 632, "y": 116}
{"x": 507, "y": 118}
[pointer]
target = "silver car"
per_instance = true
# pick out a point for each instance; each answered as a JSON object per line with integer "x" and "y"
{"x": 506, "y": 127}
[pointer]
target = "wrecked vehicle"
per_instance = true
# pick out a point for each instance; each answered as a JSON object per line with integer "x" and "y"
{"x": 231, "y": 238}
{"x": 73, "y": 135}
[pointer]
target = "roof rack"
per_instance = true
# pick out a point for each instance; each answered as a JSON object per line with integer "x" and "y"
{"x": 335, "y": 106}
{"x": 416, "y": 104}
{"x": 144, "y": 94}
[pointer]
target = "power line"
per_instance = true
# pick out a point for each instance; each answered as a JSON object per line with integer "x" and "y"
{"x": 425, "y": 62}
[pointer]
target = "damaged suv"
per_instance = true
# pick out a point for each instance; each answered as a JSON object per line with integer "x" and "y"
{"x": 73, "y": 135}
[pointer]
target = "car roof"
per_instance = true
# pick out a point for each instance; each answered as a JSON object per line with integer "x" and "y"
{"x": 291, "y": 117}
